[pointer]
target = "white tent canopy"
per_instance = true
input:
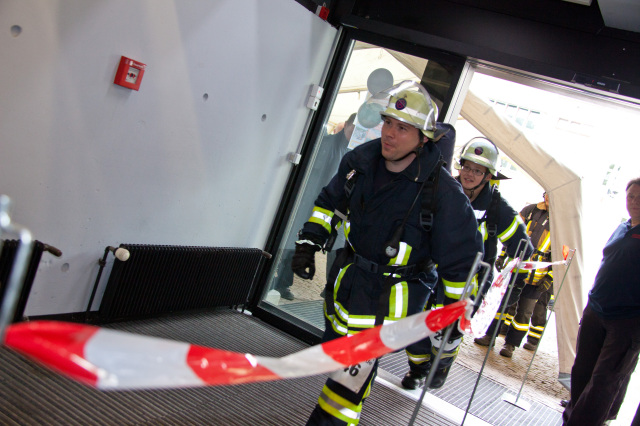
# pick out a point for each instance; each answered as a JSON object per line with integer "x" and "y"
{"x": 565, "y": 196}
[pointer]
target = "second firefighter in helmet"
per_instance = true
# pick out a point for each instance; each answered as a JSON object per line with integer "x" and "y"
{"x": 377, "y": 276}
{"x": 478, "y": 165}
{"x": 497, "y": 221}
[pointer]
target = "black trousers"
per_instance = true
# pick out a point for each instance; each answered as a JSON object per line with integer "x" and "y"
{"x": 607, "y": 352}
{"x": 524, "y": 311}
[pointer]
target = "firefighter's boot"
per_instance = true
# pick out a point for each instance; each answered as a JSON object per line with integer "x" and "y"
{"x": 414, "y": 379}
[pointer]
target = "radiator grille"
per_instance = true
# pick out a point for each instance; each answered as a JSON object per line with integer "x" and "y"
{"x": 7, "y": 257}
{"x": 159, "y": 279}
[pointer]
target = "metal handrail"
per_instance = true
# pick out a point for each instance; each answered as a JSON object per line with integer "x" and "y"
{"x": 20, "y": 264}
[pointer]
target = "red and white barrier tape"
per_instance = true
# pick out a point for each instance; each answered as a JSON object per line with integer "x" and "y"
{"x": 115, "y": 360}
{"x": 528, "y": 265}
{"x": 478, "y": 325}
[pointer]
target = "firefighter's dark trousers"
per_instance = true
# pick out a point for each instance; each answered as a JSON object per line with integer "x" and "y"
{"x": 524, "y": 311}
{"x": 344, "y": 392}
{"x": 539, "y": 318}
{"x": 607, "y": 352}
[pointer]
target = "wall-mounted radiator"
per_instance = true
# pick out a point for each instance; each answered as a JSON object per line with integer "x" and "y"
{"x": 159, "y": 279}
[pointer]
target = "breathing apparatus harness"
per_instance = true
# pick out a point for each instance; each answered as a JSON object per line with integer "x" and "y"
{"x": 427, "y": 194}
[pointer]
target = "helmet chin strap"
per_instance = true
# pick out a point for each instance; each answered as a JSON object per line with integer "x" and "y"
{"x": 473, "y": 190}
{"x": 415, "y": 151}
{"x": 482, "y": 182}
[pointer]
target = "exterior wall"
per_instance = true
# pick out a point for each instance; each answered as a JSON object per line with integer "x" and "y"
{"x": 196, "y": 157}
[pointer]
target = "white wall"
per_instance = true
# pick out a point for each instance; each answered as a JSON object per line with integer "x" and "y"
{"x": 89, "y": 164}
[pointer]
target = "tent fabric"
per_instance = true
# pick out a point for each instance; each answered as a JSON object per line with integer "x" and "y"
{"x": 565, "y": 197}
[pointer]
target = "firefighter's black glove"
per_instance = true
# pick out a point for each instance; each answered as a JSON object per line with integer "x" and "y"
{"x": 501, "y": 263}
{"x": 303, "y": 261}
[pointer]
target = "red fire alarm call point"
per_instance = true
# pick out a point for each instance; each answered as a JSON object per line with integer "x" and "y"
{"x": 129, "y": 73}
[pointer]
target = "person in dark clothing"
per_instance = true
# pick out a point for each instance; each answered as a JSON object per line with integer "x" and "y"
{"x": 497, "y": 221}
{"x": 382, "y": 273}
{"x": 332, "y": 149}
{"x": 636, "y": 418}
{"x": 528, "y": 286}
{"x": 538, "y": 319}
{"x": 609, "y": 334}
{"x": 537, "y": 282}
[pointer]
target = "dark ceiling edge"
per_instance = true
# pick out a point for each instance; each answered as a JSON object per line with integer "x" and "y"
{"x": 564, "y": 14}
{"x": 543, "y": 64}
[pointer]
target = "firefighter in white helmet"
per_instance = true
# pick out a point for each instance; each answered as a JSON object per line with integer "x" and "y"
{"x": 384, "y": 271}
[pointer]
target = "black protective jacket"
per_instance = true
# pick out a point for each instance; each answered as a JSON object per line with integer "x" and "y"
{"x": 452, "y": 243}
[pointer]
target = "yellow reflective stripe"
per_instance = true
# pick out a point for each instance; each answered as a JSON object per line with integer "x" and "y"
{"x": 346, "y": 228}
{"x": 404, "y": 251}
{"x": 506, "y": 317}
{"x": 544, "y": 247}
{"x": 518, "y": 326}
{"x": 336, "y": 324}
{"x": 483, "y": 231}
{"x": 366, "y": 393}
{"x": 446, "y": 353}
{"x": 341, "y": 312}
{"x": 418, "y": 358}
{"x": 539, "y": 274}
{"x": 398, "y": 300}
{"x": 336, "y": 285}
{"x": 322, "y": 217}
{"x": 339, "y": 407}
{"x": 454, "y": 289}
{"x": 508, "y": 233}
{"x": 534, "y": 334}
{"x": 340, "y": 320}
{"x": 362, "y": 321}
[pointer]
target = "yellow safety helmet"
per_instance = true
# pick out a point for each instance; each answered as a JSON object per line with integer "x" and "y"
{"x": 408, "y": 102}
{"x": 483, "y": 152}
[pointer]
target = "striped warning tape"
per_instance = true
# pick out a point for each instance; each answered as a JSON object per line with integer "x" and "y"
{"x": 490, "y": 304}
{"x": 115, "y": 360}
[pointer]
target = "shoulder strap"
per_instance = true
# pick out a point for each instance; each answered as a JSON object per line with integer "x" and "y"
{"x": 338, "y": 216}
{"x": 493, "y": 214}
{"x": 530, "y": 214}
{"x": 429, "y": 190}
{"x": 428, "y": 196}
{"x": 350, "y": 183}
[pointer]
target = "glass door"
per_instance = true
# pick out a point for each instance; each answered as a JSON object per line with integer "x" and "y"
{"x": 368, "y": 68}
